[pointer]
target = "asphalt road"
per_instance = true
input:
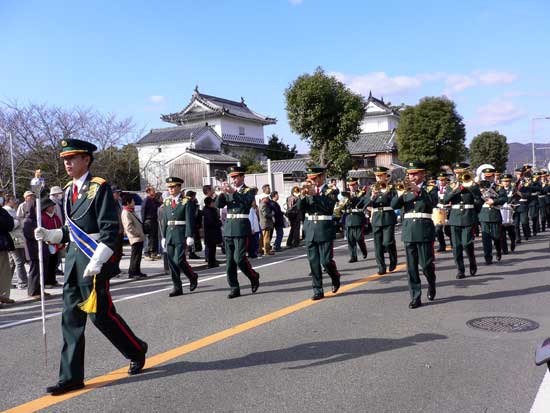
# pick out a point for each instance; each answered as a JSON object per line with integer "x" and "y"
{"x": 360, "y": 350}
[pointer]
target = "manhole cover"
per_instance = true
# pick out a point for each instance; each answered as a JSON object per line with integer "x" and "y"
{"x": 503, "y": 324}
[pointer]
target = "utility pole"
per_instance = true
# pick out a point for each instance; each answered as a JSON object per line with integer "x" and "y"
{"x": 12, "y": 166}
{"x": 533, "y": 137}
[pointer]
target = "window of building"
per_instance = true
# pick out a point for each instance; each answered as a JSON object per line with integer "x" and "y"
{"x": 370, "y": 162}
{"x": 241, "y": 130}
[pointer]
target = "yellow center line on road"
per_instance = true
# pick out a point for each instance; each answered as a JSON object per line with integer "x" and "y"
{"x": 122, "y": 373}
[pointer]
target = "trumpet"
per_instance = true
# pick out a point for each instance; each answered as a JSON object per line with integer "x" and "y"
{"x": 381, "y": 187}
{"x": 405, "y": 186}
{"x": 306, "y": 188}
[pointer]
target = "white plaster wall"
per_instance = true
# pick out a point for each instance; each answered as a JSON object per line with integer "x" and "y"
{"x": 251, "y": 129}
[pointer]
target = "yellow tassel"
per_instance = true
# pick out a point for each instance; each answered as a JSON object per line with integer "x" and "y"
{"x": 90, "y": 304}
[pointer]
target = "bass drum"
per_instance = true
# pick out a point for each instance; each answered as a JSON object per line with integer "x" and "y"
{"x": 439, "y": 216}
{"x": 507, "y": 215}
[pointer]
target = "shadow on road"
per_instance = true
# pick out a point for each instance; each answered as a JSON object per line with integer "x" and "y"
{"x": 312, "y": 354}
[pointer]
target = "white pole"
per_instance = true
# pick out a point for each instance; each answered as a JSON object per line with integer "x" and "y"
{"x": 37, "y": 183}
{"x": 12, "y": 167}
{"x": 533, "y": 142}
{"x": 269, "y": 175}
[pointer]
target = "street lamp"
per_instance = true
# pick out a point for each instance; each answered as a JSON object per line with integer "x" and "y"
{"x": 533, "y": 137}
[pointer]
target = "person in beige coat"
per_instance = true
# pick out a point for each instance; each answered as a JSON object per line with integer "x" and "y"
{"x": 134, "y": 231}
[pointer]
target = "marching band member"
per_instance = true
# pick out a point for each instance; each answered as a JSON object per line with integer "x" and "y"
{"x": 536, "y": 192}
{"x": 508, "y": 228}
{"x": 383, "y": 219}
{"x": 490, "y": 216}
{"x": 355, "y": 220}
{"x": 442, "y": 230}
{"x": 464, "y": 198}
{"x": 317, "y": 202}
{"x": 418, "y": 232}
{"x": 238, "y": 198}
{"x": 521, "y": 214}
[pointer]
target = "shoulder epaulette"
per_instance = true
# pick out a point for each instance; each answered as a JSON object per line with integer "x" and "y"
{"x": 98, "y": 180}
{"x": 68, "y": 184}
{"x": 167, "y": 201}
{"x": 245, "y": 190}
{"x": 184, "y": 200}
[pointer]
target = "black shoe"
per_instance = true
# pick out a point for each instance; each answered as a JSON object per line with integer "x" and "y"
{"x": 62, "y": 388}
{"x": 460, "y": 276}
{"x": 364, "y": 256}
{"x": 473, "y": 271}
{"x": 318, "y": 296}
{"x": 175, "y": 293}
{"x": 517, "y": 242}
{"x": 381, "y": 272}
{"x": 194, "y": 256}
{"x": 441, "y": 249}
{"x": 255, "y": 283}
{"x": 488, "y": 262}
{"x": 352, "y": 259}
{"x": 415, "y": 304}
{"x": 136, "y": 366}
{"x": 513, "y": 246}
{"x": 193, "y": 283}
{"x": 431, "y": 293}
{"x": 499, "y": 256}
{"x": 336, "y": 285}
{"x": 392, "y": 267}
{"x": 234, "y": 294}
{"x": 214, "y": 265}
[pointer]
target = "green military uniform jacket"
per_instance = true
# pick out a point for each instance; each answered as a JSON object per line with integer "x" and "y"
{"x": 460, "y": 215}
{"x": 540, "y": 196}
{"x": 323, "y": 205}
{"x": 525, "y": 197}
{"x": 94, "y": 213}
{"x": 355, "y": 217}
{"x": 416, "y": 229}
{"x": 546, "y": 193}
{"x": 178, "y": 223}
{"x": 239, "y": 202}
{"x": 380, "y": 215}
{"x": 488, "y": 214}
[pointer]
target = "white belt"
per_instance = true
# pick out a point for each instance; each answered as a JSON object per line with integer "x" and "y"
{"x": 442, "y": 206}
{"x": 542, "y": 196}
{"x": 237, "y": 216}
{"x": 356, "y": 210}
{"x": 382, "y": 209}
{"x": 523, "y": 200}
{"x": 418, "y": 215}
{"x": 95, "y": 236}
{"x": 319, "y": 217}
{"x": 175, "y": 223}
{"x": 489, "y": 206}
{"x": 463, "y": 206}
{"x": 535, "y": 193}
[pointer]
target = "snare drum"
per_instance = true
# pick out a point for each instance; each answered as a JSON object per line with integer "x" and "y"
{"x": 439, "y": 216}
{"x": 507, "y": 215}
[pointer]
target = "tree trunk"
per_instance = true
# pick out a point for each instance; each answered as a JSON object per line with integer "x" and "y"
{"x": 322, "y": 153}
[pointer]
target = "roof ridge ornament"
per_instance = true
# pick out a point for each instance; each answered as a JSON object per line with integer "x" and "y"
{"x": 197, "y": 89}
{"x": 370, "y": 94}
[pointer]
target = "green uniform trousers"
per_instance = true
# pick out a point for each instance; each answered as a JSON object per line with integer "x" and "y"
{"x": 177, "y": 262}
{"x": 419, "y": 253}
{"x": 106, "y": 319}
{"x": 463, "y": 240}
{"x": 491, "y": 232}
{"x": 321, "y": 254}
{"x": 534, "y": 215}
{"x": 235, "y": 254}
{"x": 384, "y": 240}
{"x": 356, "y": 236}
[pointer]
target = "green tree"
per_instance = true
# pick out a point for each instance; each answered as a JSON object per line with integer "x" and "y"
{"x": 431, "y": 132}
{"x": 327, "y": 115}
{"x": 491, "y": 148}
{"x": 250, "y": 163}
{"x": 277, "y": 149}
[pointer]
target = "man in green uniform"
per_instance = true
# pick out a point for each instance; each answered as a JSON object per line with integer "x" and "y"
{"x": 534, "y": 205}
{"x": 538, "y": 186}
{"x": 383, "y": 219}
{"x": 418, "y": 231}
{"x": 546, "y": 192}
{"x": 178, "y": 224}
{"x": 521, "y": 213}
{"x": 317, "y": 203}
{"x": 238, "y": 198}
{"x": 442, "y": 230}
{"x": 508, "y": 228}
{"x": 355, "y": 220}
{"x": 91, "y": 229}
{"x": 493, "y": 197}
{"x": 465, "y": 200}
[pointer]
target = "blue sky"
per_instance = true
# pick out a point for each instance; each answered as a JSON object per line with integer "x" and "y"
{"x": 141, "y": 59}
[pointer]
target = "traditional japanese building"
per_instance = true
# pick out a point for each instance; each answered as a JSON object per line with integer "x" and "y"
{"x": 209, "y": 134}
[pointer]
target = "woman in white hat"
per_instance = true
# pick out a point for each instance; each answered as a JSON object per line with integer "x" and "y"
{"x": 56, "y": 195}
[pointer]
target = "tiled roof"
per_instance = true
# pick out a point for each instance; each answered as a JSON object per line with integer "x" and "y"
{"x": 287, "y": 166}
{"x": 176, "y": 134}
{"x": 218, "y": 107}
{"x": 214, "y": 156}
{"x": 373, "y": 142}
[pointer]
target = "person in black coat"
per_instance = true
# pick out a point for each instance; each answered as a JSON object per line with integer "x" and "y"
{"x": 212, "y": 231}
{"x": 6, "y": 244}
{"x": 31, "y": 251}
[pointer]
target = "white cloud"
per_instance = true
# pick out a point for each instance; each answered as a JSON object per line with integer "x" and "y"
{"x": 382, "y": 84}
{"x": 498, "y": 112}
{"x": 156, "y": 99}
{"x": 295, "y": 2}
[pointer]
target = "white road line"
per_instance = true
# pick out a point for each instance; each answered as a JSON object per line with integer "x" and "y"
{"x": 542, "y": 400}
{"x": 131, "y": 297}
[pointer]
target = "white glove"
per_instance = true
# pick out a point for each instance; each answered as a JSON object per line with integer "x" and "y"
{"x": 190, "y": 241}
{"x": 163, "y": 243}
{"x": 53, "y": 236}
{"x": 100, "y": 257}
